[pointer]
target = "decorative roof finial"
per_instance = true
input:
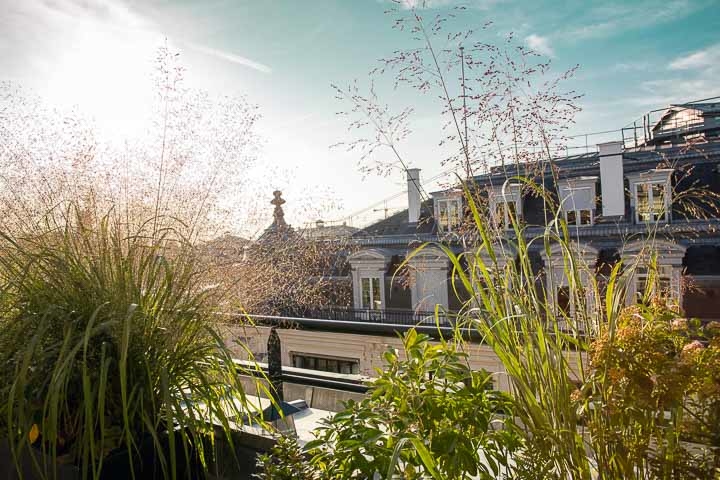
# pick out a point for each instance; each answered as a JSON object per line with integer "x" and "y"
{"x": 278, "y": 213}
{"x": 278, "y": 228}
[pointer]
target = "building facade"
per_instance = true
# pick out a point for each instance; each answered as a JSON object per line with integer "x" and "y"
{"x": 658, "y": 186}
{"x": 660, "y": 189}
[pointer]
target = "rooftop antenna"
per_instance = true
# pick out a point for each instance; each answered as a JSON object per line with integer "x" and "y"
{"x": 384, "y": 209}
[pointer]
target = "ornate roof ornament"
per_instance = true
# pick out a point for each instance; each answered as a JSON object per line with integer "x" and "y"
{"x": 278, "y": 228}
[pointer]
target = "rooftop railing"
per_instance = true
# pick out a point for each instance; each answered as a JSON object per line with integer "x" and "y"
{"x": 380, "y": 316}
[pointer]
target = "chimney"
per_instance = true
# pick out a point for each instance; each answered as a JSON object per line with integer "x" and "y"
{"x": 414, "y": 199}
{"x": 612, "y": 180}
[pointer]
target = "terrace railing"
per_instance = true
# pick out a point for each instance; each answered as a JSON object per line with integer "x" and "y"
{"x": 383, "y": 316}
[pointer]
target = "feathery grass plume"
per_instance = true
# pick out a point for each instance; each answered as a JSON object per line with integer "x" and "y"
{"x": 108, "y": 344}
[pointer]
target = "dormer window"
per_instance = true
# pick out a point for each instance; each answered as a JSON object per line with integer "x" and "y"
{"x": 448, "y": 211}
{"x": 657, "y": 280}
{"x": 368, "y": 269}
{"x": 651, "y": 195}
{"x": 505, "y": 204}
{"x": 371, "y": 298}
{"x": 577, "y": 200}
{"x": 657, "y": 269}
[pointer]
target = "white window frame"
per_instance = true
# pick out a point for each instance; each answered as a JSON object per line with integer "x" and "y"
{"x": 568, "y": 203}
{"x": 556, "y": 277}
{"x": 650, "y": 178}
{"x": 375, "y": 303}
{"x": 501, "y": 196}
{"x": 448, "y": 226}
{"x": 368, "y": 263}
{"x": 578, "y": 215}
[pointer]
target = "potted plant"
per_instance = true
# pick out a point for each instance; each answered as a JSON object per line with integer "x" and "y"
{"x": 110, "y": 358}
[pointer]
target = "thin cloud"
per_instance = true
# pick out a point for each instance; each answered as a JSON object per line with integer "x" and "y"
{"x": 540, "y": 44}
{"x": 688, "y": 77}
{"x": 701, "y": 59}
{"x": 231, "y": 57}
{"x": 641, "y": 66}
{"x": 613, "y": 19}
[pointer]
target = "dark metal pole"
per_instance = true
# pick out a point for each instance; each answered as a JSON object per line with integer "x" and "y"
{"x": 275, "y": 365}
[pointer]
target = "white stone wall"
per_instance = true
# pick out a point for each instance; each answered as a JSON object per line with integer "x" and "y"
{"x": 368, "y": 349}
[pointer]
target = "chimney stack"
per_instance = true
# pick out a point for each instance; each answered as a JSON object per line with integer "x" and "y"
{"x": 612, "y": 182}
{"x": 414, "y": 198}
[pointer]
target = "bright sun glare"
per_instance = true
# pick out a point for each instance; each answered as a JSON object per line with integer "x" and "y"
{"x": 108, "y": 76}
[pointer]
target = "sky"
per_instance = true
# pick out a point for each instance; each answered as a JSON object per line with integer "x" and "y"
{"x": 634, "y": 56}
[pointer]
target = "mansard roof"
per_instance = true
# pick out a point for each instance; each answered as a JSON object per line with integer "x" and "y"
{"x": 588, "y": 164}
{"x": 398, "y": 224}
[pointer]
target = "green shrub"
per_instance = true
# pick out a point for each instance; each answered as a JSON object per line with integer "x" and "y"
{"x": 286, "y": 461}
{"x": 427, "y": 415}
{"x": 659, "y": 385}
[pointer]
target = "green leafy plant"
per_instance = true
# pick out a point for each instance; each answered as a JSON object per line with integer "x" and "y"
{"x": 428, "y": 414}
{"x": 286, "y": 461}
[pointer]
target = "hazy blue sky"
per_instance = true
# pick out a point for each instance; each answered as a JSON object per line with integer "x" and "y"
{"x": 283, "y": 54}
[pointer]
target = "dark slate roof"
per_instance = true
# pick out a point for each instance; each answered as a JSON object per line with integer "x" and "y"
{"x": 588, "y": 164}
{"x": 330, "y": 232}
{"x": 397, "y": 224}
{"x": 227, "y": 244}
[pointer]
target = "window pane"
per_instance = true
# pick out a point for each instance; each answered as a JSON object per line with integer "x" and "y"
{"x": 658, "y": 199}
{"x": 585, "y": 217}
{"x": 511, "y": 211}
{"x": 453, "y": 215}
{"x": 571, "y": 217}
{"x": 563, "y": 300}
{"x": 326, "y": 364}
{"x": 443, "y": 214}
{"x": 377, "y": 304}
{"x": 643, "y": 202}
{"x": 365, "y": 292}
{"x": 664, "y": 285}
{"x": 661, "y": 284}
